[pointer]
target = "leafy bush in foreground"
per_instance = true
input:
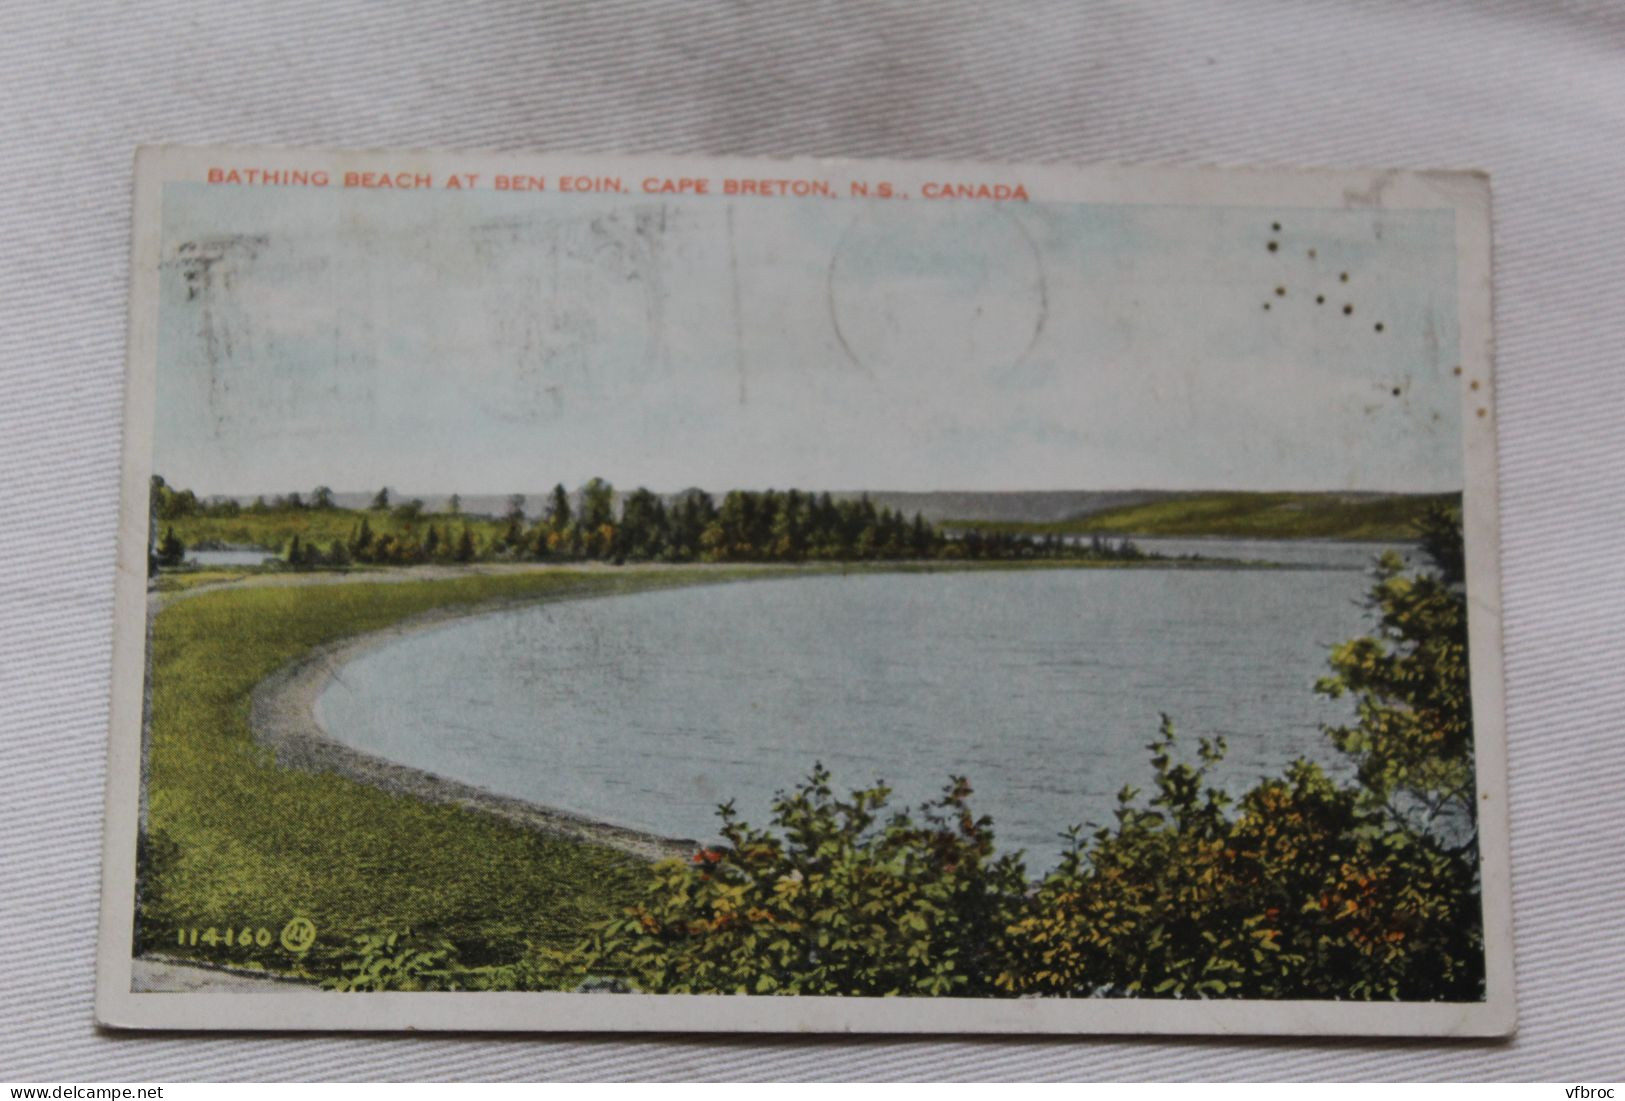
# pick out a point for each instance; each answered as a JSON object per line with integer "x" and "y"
{"x": 1413, "y": 743}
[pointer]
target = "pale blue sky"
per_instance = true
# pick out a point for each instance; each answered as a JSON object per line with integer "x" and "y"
{"x": 483, "y": 342}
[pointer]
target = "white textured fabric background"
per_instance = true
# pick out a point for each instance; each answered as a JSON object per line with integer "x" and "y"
{"x": 1534, "y": 93}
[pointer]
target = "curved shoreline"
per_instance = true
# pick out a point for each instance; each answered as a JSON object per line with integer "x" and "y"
{"x": 282, "y": 716}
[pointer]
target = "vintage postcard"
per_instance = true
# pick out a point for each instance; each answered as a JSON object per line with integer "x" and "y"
{"x": 591, "y": 593}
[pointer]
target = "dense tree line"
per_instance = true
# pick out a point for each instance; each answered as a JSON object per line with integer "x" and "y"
{"x": 747, "y": 526}
{"x": 1303, "y": 887}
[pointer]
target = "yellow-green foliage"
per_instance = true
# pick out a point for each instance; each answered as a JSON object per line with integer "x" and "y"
{"x": 235, "y": 840}
{"x": 193, "y": 579}
{"x": 399, "y": 961}
{"x": 1302, "y": 888}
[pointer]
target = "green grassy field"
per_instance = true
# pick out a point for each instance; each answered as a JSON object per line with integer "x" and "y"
{"x": 235, "y": 841}
{"x": 1248, "y": 515}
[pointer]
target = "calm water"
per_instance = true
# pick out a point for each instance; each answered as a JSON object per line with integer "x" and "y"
{"x": 1043, "y": 687}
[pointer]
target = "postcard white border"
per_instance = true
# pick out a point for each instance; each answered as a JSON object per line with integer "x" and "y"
{"x": 1467, "y": 193}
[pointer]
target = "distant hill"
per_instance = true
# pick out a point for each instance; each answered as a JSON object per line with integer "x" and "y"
{"x": 1376, "y": 516}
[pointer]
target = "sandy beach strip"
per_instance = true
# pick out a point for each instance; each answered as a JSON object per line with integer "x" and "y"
{"x": 283, "y": 716}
